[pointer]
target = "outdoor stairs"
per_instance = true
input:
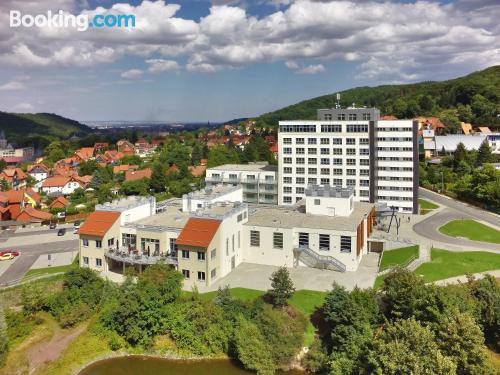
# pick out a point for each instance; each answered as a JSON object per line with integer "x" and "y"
{"x": 315, "y": 260}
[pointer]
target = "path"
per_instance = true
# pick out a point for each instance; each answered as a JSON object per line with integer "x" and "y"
{"x": 463, "y": 278}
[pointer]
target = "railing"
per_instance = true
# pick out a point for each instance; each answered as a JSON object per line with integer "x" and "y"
{"x": 213, "y": 179}
{"x": 322, "y": 259}
{"x": 139, "y": 258}
{"x": 263, "y": 189}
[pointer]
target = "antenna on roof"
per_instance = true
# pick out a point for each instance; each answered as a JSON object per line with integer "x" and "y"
{"x": 337, "y": 105}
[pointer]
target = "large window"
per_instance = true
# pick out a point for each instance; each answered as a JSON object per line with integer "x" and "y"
{"x": 331, "y": 128}
{"x": 150, "y": 244}
{"x": 201, "y": 276}
{"x": 213, "y": 254}
{"x": 98, "y": 243}
{"x": 278, "y": 240}
{"x": 185, "y": 273}
{"x": 255, "y": 238}
{"x": 324, "y": 242}
{"x": 201, "y": 255}
{"x": 129, "y": 240}
{"x": 303, "y": 239}
{"x": 185, "y": 254}
{"x": 98, "y": 262}
{"x": 85, "y": 242}
{"x": 345, "y": 244}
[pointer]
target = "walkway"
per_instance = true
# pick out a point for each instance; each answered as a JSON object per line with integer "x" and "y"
{"x": 463, "y": 279}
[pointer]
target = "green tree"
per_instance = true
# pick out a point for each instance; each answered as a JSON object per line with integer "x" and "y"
{"x": 406, "y": 347}
{"x": 196, "y": 153}
{"x": 158, "y": 178}
{"x": 459, "y": 155}
{"x": 4, "y": 185}
{"x": 132, "y": 160}
{"x": 282, "y": 287}
{"x": 252, "y": 349}
{"x": 87, "y": 168}
{"x": 221, "y": 154}
{"x": 451, "y": 122}
{"x": 137, "y": 187}
{"x": 484, "y": 154}
{"x": 96, "y": 181}
{"x": 3, "y": 165}
{"x": 464, "y": 113}
{"x": 426, "y": 103}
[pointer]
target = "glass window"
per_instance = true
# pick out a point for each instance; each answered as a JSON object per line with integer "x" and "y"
{"x": 98, "y": 262}
{"x": 98, "y": 243}
{"x": 303, "y": 239}
{"x": 213, "y": 273}
{"x": 201, "y": 276}
{"x": 345, "y": 244}
{"x": 185, "y": 273}
{"x": 213, "y": 254}
{"x": 85, "y": 242}
{"x": 278, "y": 240}
{"x": 185, "y": 254}
{"x": 86, "y": 260}
{"x": 255, "y": 237}
{"x": 324, "y": 242}
{"x": 201, "y": 255}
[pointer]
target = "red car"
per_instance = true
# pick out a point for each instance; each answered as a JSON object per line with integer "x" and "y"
{"x": 5, "y": 252}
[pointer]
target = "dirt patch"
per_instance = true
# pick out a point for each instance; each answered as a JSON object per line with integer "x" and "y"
{"x": 44, "y": 352}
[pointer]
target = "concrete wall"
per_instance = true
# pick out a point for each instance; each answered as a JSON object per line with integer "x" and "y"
{"x": 330, "y": 206}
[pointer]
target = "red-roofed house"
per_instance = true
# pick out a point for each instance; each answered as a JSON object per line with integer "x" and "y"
{"x": 138, "y": 175}
{"x": 388, "y": 117}
{"x": 59, "y": 202}
{"x": 98, "y": 234}
{"x": 11, "y": 204}
{"x": 84, "y": 154}
{"x": 38, "y": 171}
{"x": 100, "y": 146}
{"x": 58, "y": 185}
{"x": 15, "y": 177}
{"x": 125, "y": 147}
{"x": 32, "y": 215}
{"x": 124, "y": 168}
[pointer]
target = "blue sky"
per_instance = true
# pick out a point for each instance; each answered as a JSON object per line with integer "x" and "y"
{"x": 201, "y": 60}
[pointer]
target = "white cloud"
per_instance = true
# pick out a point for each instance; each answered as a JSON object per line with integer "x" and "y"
{"x": 132, "y": 74}
{"x": 12, "y": 85}
{"x": 312, "y": 69}
{"x": 161, "y": 65}
{"x": 23, "y": 107}
{"x": 386, "y": 39}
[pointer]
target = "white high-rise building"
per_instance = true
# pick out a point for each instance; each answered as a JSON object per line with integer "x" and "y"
{"x": 350, "y": 147}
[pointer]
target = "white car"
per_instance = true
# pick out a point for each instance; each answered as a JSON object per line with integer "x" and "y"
{"x": 61, "y": 215}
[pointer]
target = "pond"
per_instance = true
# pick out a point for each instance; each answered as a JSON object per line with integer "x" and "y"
{"x": 142, "y": 365}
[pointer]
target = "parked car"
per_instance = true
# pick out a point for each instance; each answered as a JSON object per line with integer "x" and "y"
{"x": 76, "y": 229}
{"x": 61, "y": 215}
{"x": 76, "y": 224}
{"x": 8, "y": 256}
{"x": 6, "y": 252}
{"x": 52, "y": 225}
{"x": 61, "y": 232}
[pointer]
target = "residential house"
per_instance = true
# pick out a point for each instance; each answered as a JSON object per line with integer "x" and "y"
{"x": 32, "y": 215}
{"x": 125, "y": 147}
{"x": 60, "y": 202}
{"x": 38, "y": 171}
{"x": 15, "y": 177}
{"x": 84, "y": 154}
{"x": 100, "y": 147}
{"x": 138, "y": 175}
{"x": 122, "y": 168}
{"x": 60, "y": 185}
{"x": 12, "y": 202}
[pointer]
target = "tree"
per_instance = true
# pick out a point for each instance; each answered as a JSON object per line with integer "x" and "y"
{"x": 3, "y": 165}
{"x": 137, "y": 187}
{"x": 281, "y": 287}
{"x": 221, "y": 154}
{"x": 451, "y": 122}
{"x": 406, "y": 347}
{"x": 4, "y": 339}
{"x": 87, "y": 168}
{"x": 464, "y": 113}
{"x": 459, "y": 155}
{"x": 4, "y": 185}
{"x": 251, "y": 348}
{"x": 132, "y": 159}
{"x": 158, "y": 178}
{"x": 197, "y": 153}
{"x": 426, "y": 103}
{"x": 96, "y": 181}
{"x": 484, "y": 154}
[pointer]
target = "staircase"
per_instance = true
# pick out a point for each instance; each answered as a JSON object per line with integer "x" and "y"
{"x": 315, "y": 260}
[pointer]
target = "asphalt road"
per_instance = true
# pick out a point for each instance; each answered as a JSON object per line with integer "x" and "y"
{"x": 453, "y": 210}
{"x": 30, "y": 253}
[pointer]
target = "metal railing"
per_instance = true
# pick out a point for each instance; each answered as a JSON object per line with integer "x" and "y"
{"x": 322, "y": 259}
{"x": 139, "y": 258}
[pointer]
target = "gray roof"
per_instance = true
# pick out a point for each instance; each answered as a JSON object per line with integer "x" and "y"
{"x": 171, "y": 217}
{"x": 329, "y": 191}
{"x": 212, "y": 192}
{"x": 451, "y": 141}
{"x": 281, "y": 217}
{"x": 251, "y": 167}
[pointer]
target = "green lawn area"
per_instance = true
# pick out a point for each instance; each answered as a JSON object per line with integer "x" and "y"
{"x": 48, "y": 271}
{"x": 306, "y": 301}
{"x": 472, "y": 230}
{"x": 445, "y": 264}
{"x": 427, "y": 205}
{"x": 401, "y": 257}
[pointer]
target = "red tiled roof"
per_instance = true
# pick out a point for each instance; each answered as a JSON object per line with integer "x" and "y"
{"x": 33, "y": 194}
{"x": 273, "y": 148}
{"x": 388, "y": 118}
{"x": 59, "y": 202}
{"x": 138, "y": 175}
{"x": 124, "y": 168}
{"x": 31, "y": 214}
{"x": 98, "y": 223}
{"x": 198, "y": 232}
{"x": 14, "y": 196}
{"x": 198, "y": 170}
{"x": 55, "y": 181}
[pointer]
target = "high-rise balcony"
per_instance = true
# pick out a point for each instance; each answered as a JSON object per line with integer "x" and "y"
{"x": 140, "y": 257}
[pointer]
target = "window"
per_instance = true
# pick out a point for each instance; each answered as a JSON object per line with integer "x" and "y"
{"x": 337, "y": 151}
{"x": 353, "y": 117}
{"x": 303, "y": 239}
{"x": 255, "y": 234}
{"x": 311, "y": 151}
{"x": 85, "y": 242}
{"x": 287, "y": 141}
{"x": 324, "y": 242}
{"x": 312, "y": 161}
{"x": 357, "y": 128}
{"x": 98, "y": 262}
{"x": 364, "y": 172}
{"x": 325, "y": 171}
{"x": 325, "y": 141}
{"x": 364, "y": 151}
{"x": 345, "y": 244}
{"x": 337, "y": 182}
{"x": 213, "y": 254}
{"x": 317, "y": 202}
{"x": 331, "y": 128}
{"x": 351, "y": 151}
{"x": 201, "y": 256}
{"x": 337, "y": 161}
{"x": 278, "y": 240}
{"x": 287, "y": 180}
{"x": 239, "y": 218}
{"x": 185, "y": 273}
{"x": 312, "y": 170}
{"x": 129, "y": 240}
{"x": 351, "y": 172}
{"x": 86, "y": 261}
{"x": 300, "y": 150}
{"x": 300, "y": 180}
{"x": 287, "y": 189}
{"x": 341, "y": 116}
{"x": 312, "y": 181}
{"x": 351, "y": 161}
{"x": 350, "y": 141}
{"x": 300, "y": 170}
{"x": 287, "y": 170}
{"x": 327, "y": 116}
{"x": 299, "y": 190}
{"x": 364, "y": 161}
{"x": 311, "y": 141}
{"x": 287, "y": 160}
{"x": 363, "y": 141}
{"x": 325, "y": 181}
{"x": 98, "y": 243}
{"x": 337, "y": 171}
{"x": 300, "y": 160}
{"x": 150, "y": 244}
{"x": 299, "y": 141}
{"x": 366, "y": 117}
{"x": 287, "y": 199}
{"x": 351, "y": 182}
{"x": 111, "y": 242}
{"x": 201, "y": 276}
{"x": 213, "y": 273}
{"x": 336, "y": 141}
{"x": 325, "y": 151}
{"x": 173, "y": 246}
{"x": 325, "y": 161}
{"x": 287, "y": 150}
{"x": 185, "y": 254}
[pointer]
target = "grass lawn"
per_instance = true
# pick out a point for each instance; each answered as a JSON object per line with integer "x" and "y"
{"x": 306, "y": 301}
{"x": 472, "y": 230}
{"x": 445, "y": 264}
{"x": 47, "y": 271}
{"x": 401, "y": 256}
{"x": 427, "y": 205}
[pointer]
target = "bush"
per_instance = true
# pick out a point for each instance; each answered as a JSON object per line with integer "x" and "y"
{"x": 73, "y": 314}
{"x": 4, "y": 339}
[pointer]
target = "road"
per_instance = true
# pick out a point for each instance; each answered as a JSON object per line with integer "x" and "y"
{"x": 454, "y": 210}
{"x": 30, "y": 253}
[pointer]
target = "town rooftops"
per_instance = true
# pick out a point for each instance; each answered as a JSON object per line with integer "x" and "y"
{"x": 329, "y": 191}
{"x": 198, "y": 232}
{"x": 32, "y": 215}
{"x": 98, "y": 223}
{"x": 280, "y": 217}
{"x": 138, "y": 175}
{"x": 56, "y": 181}
{"x": 250, "y": 167}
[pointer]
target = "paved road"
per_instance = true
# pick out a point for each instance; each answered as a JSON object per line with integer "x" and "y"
{"x": 474, "y": 212}
{"x": 453, "y": 210}
{"x": 30, "y": 253}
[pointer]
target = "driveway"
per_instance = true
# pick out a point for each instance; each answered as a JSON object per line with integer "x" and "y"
{"x": 256, "y": 276}
{"x": 30, "y": 253}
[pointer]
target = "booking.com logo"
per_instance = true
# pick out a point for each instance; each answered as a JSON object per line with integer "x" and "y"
{"x": 81, "y": 22}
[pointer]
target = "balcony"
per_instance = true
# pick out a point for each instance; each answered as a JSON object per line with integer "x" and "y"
{"x": 266, "y": 190}
{"x": 268, "y": 182}
{"x": 248, "y": 189}
{"x": 268, "y": 201}
{"x": 214, "y": 180}
{"x": 138, "y": 257}
{"x": 232, "y": 180}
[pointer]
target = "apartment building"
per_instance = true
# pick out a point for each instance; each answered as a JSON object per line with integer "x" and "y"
{"x": 352, "y": 148}
{"x": 259, "y": 180}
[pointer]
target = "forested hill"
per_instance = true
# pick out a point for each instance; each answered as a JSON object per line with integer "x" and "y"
{"x": 23, "y": 128}
{"x": 473, "y": 98}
